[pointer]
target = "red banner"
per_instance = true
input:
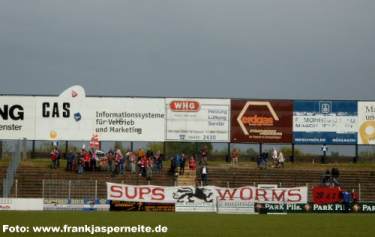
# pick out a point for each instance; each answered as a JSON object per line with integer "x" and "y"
{"x": 326, "y": 195}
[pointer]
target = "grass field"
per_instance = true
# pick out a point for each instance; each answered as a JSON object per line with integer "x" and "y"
{"x": 203, "y": 225}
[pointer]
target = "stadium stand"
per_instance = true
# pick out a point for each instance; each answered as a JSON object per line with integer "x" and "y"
{"x": 30, "y": 179}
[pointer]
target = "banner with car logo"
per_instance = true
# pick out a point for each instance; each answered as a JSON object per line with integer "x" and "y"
{"x": 197, "y": 119}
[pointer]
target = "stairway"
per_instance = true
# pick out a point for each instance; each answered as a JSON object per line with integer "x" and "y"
{"x": 188, "y": 179}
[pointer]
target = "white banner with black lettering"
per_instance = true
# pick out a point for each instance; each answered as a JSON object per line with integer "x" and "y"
{"x": 126, "y": 119}
{"x": 17, "y": 117}
{"x": 197, "y": 119}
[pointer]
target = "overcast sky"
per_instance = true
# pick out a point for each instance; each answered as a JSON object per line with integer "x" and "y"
{"x": 205, "y": 48}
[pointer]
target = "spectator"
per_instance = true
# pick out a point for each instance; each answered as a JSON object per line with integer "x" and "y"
{"x": 140, "y": 153}
{"x": 182, "y": 164}
{"x": 54, "y": 156}
{"x": 275, "y": 157}
{"x": 70, "y": 157}
{"x": 133, "y": 162}
{"x": 81, "y": 163}
{"x": 192, "y": 163}
{"x": 235, "y": 155}
{"x": 204, "y": 154}
{"x": 149, "y": 164}
{"x": 281, "y": 160}
{"x": 86, "y": 159}
{"x": 158, "y": 162}
{"x": 93, "y": 159}
{"x": 324, "y": 149}
{"x": 173, "y": 165}
{"x": 143, "y": 165}
{"x": 177, "y": 163}
{"x": 120, "y": 162}
{"x": 204, "y": 174}
{"x": 355, "y": 196}
{"x": 110, "y": 160}
{"x": 326, "y": 178}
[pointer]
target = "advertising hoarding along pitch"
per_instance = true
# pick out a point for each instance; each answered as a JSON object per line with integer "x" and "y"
{"x": 366, "y": 122}
{"x": 330, "y": 122}
{"x": 261, "y": 121}
{"x": 197, "y": 119}
{"x": 204, "y": 195}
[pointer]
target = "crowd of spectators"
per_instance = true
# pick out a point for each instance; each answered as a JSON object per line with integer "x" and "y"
{"x": 114, "y": 161}
{"x": 277, "y": 161}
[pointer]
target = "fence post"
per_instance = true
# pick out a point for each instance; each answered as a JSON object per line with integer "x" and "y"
{"x": 69, "y": 190}
{"x": 96, "y": 190}
{"x": 359, "y": 192}
{"x": 43, "y": 188}
{"x": 308, "y": 196}
{"x": 280, "y": 184}
{"x": 227, "y": 184}
{"x": 16, "y": 191}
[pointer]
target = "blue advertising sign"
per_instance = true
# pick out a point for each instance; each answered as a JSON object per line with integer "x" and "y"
{"x": 329, "y": 122}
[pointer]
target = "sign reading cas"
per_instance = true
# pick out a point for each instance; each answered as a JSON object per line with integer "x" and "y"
{"x": 197, "y": 119}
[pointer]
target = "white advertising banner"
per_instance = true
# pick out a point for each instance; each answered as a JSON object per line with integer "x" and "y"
{"x": 197, "y": 196}
{"x": 17, "y": 117}
{"x": 21, "y": 204}
{"x": 366, "y": 122}
{"x": 61, "y": 118}
{"x": 126, "y": 119}
{"x": 197, "y": 119}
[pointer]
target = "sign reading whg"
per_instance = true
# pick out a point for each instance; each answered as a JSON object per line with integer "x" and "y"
{"x": 366, "y": 121}
{"x": 261, "y": 121}
{"x": 330, "y": 122}
{"x": 197, "y": 119}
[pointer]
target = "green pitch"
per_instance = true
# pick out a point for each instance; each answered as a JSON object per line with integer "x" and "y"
{"x": 202, "y": 225}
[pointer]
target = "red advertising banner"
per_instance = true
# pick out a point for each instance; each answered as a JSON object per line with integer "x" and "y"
{"x": 256, "y": 121}
{"x": 326, "y": 195}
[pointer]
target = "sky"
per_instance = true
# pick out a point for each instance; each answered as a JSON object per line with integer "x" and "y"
{"x": 285, "y": 49}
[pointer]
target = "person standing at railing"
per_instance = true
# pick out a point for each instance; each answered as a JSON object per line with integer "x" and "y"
{"x": 54, "y": 156}
{"x": 235, "y": 156}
